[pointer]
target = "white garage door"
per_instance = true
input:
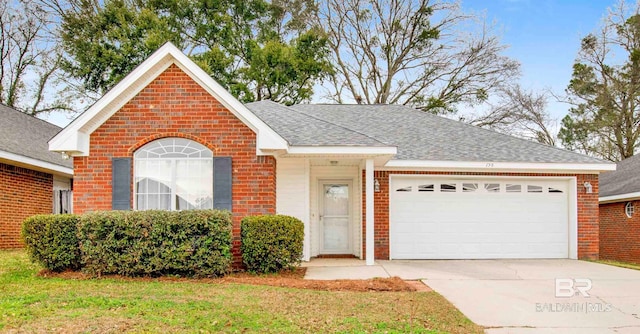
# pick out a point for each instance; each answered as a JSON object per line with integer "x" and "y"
{"x": 439, "y": 218}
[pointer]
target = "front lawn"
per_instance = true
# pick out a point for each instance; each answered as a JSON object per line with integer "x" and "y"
{"x": 29, "y": 303}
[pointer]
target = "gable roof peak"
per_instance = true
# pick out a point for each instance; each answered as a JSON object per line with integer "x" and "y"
{"x": 74, "y": 139}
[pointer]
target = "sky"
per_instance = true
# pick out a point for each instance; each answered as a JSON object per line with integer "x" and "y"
{"x": 543, "y": 35}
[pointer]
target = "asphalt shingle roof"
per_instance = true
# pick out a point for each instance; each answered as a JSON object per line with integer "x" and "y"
{"x": 28, "y": 136}
{"x": 624, "y": 180}
{"x": 300, "y": 129}
{"x": 416, "y": 134}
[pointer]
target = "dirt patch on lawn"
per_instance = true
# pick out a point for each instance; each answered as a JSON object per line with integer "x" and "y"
{"x": 288, "y": 279}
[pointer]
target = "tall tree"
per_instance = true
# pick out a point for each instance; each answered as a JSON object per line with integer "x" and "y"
{"x": 29, "y": 61}
{"x": 422, "y": 53}
{"x": 256, "y": 49}
{"x": 604, "y": 90}
{"x": 519, "y": 112}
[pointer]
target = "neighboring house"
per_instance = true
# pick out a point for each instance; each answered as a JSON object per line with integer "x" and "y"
{"x": 33, "y": 180}
{"x": 620, "y": 212}
{"x": 365, "y": 179}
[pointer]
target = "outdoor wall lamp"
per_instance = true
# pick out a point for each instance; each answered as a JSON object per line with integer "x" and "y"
{"x": 588, "y": 187}
{"x": 376, "y": 185}
{"x": 65, "y": 155}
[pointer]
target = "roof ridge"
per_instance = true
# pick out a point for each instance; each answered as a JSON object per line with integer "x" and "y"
{"x": 340, "y": 126}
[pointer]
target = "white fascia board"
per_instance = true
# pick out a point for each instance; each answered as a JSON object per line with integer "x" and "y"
{"x": 619, "y": 198}
{"x": 491, "y": 166}
{"x": 74, "y": 138}
{"x": 40, "y": 165}
{"x": 339, "y": 150}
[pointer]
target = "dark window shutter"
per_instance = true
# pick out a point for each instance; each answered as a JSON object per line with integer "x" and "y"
{"x": 121, "y": 183}
{"x": 222, "y": 180}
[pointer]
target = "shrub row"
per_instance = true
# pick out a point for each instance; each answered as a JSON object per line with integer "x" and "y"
{"x": 195, "y": 243}
{"x": 156, "y": 243}
{"x": 133, "y": 243}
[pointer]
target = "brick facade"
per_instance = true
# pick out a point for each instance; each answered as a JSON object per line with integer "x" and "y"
{"x": 619, "y": 234}
{"x": 174, "y": 105}
{"x": 23, "y": 193}
{"x": 588, "y": 229}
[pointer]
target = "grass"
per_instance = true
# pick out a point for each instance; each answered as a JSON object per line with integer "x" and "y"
{"x": 29, "y": 303}
{"x": 620, "y": 264}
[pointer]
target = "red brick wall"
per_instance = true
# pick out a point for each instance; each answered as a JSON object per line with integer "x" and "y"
{"x": 619, "y": 234}
{"x": 23, "y": 193}
{"x": 173, "y": 105}
{"x": 587, "y": 212}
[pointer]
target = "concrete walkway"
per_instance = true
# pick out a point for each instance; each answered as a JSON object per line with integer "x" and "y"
{"x": 516, "y": 296}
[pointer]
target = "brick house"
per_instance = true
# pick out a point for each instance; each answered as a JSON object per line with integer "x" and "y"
{"x": 372, "y": 181}
{"x": 619, "y": 223}
{"x": 33, "y": 180}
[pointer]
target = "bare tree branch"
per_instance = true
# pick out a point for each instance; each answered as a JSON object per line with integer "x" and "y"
{"x": 423, "y": 53}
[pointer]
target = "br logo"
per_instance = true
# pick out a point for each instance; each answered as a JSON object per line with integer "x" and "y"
{"x": 569, "y": 287}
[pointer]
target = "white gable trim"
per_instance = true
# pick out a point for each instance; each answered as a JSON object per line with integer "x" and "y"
{"x": 35, "y": 164}
{"x": 492, "y": 166}
{"x": 620, "y": 198}
{"x": 74, "y": 139}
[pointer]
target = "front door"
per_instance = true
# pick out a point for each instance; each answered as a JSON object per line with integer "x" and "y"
{"x": 335, "y": 218}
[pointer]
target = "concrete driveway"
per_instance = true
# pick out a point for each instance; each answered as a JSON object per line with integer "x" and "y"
{"x": 519, "y": 296}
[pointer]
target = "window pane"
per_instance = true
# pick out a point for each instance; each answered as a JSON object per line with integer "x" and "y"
{"x": 514, "y": 188}
{"x": 448, "y": 187}
{"x": 469, "y": 187}
{"x": 492, "y": 187}
{"x": 426, "y": 187}
{"x": 194, "y": 183}
{"x": 534, "y": 189}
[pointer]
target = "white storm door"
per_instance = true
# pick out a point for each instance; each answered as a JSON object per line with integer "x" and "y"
{"x": 335, "y": 218}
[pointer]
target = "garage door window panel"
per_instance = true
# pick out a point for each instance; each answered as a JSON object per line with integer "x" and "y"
{"x": 534, "y": 189}
{"x": 492, "y": 187}
{"x": 426, "y": 188}
{"x": 513, "y": 188}
{"x": 448, "y": 187}
{"x": 469, "y": 187}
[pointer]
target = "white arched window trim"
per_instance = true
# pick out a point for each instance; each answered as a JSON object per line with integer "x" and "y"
{"x": 173, "y": 174}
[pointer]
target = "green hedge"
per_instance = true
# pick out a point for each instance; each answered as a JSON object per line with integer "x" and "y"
{"x": 51, "y": 241}
{"x": 194, "y": 243}
{"x": 271, "y": 243}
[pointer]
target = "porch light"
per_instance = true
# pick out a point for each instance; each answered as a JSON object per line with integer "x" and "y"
{"x": 376, "y": 185}
{"x": 65, "y": 155}
{"x": 588, "y": 187}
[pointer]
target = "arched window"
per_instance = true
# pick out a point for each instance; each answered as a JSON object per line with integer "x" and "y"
{"x": 173, "y": 174}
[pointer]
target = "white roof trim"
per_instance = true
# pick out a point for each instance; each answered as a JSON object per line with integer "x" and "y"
{"x": 489, "y": 166}
{"x": 619, "y": 198}
{"x": 40, "y": 165}
{"x": 340, "y": 150}
{"x": 74, "y": 139}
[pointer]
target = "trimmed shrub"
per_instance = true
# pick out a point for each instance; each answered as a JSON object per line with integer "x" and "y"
{"x": 271, "y": 243}
{"x": 51, "y": 241}
{"x": 192, "y": 243}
